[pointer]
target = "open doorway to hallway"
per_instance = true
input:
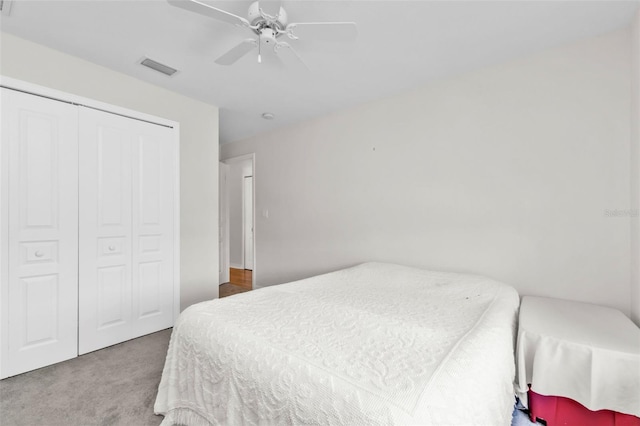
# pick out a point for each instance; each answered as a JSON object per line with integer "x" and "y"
{"x": 237, "y": 228}
{"x": 240, "y": 280}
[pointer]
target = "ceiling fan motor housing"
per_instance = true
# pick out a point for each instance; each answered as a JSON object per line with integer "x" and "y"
{"x": 268, "y": 36}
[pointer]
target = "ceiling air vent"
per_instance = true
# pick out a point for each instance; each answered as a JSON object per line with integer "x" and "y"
{"x": 5, "y": 7}
{"x": 157, "y": 66}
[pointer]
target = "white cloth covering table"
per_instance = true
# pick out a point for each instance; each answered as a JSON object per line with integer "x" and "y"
{"x": 584, "y": 352}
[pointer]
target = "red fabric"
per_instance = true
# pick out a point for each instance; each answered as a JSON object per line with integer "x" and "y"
{"x": 559, "y": 411}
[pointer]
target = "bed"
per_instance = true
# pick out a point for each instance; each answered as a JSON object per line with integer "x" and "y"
{"x": 373, "y": 344}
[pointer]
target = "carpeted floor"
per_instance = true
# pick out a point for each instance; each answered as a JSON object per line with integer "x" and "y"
{"x": 520, "y": 418}
{"x": 112, "y": 386}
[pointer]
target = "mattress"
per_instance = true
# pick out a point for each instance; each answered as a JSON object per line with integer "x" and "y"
{"x": 373, "y": 344}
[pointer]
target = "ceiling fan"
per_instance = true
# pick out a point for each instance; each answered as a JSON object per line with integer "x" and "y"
{"x": 267, "y": 19}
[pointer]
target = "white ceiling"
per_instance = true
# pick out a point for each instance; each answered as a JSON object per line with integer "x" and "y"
{"x": 401, "y": 44}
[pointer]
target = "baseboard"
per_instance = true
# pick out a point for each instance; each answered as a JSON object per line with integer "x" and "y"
{"x": 231, "y": 265}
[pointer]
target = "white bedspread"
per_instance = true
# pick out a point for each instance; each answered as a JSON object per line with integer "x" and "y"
{"x": 373, "y": 344}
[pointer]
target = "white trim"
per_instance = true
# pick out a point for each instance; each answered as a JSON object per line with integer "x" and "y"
{"x": 34, "y": 89}
{"x": 239, "y": 159}
{"x": 223, "y": 209}
{"x": 242, "y": 227}
{"x": 255, "y": 225}
{"x": 244, "y": 224}
{"x": 4, "y": 253}
{"x": 176, "y": 224}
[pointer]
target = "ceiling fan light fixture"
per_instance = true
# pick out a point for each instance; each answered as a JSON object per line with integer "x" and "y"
{"x": 268, "y": 115}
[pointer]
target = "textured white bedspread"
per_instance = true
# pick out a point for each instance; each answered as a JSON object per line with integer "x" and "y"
{"x": 372, "y": 344}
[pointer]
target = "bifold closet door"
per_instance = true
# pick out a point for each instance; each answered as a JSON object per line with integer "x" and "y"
{"x": 127, "y": 171}
{"x": 40, "y": 232}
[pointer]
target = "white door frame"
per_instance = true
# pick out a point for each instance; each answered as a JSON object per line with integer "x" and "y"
{"x": 223, "y": 245}
{"x": 245, "y": 252}
{"x": 239, "y": 159}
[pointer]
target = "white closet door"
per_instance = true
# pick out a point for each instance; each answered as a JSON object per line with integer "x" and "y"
{"x": 105, "y": 230}
{"x": 40, "y": 213}
{"x": 127, "y": 175}
{"x": 154, "y": 168}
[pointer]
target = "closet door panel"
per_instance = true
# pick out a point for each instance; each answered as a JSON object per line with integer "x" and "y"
{"x": 105, "y": 230}
{"x": 153, "y": 180}
{"x": 40, "y": 213}
{"x": 127, "y": 177}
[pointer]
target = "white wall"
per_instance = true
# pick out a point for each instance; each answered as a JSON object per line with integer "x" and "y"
{"x": 635, "y": 171}
{"x": 38, "y": 64}
{"x": 237, "y": 172}
{"x": 505, "y": 172}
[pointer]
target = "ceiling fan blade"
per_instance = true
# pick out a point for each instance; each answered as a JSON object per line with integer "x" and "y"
{"x": 286, "y": 47}
{"x": 274, "y": 61}
{"x": 210, "y": 11}
{"x": 237, "y": 52}
{"x": 271, "y": 8}
{"x": 327, "y": 31}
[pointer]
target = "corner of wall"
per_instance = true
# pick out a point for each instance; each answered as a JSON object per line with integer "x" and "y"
{"x": 635, "y": 171}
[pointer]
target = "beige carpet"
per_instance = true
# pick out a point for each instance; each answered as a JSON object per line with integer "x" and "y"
{"x": 112, "y": 386}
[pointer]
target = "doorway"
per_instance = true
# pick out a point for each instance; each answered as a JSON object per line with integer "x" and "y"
{"x": 239, "y": 282}
{"x": 247, "y": 221}
{"x": 237, "y": 225}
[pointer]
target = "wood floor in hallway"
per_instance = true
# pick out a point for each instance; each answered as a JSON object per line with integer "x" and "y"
{"x": 240, "y": 280}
